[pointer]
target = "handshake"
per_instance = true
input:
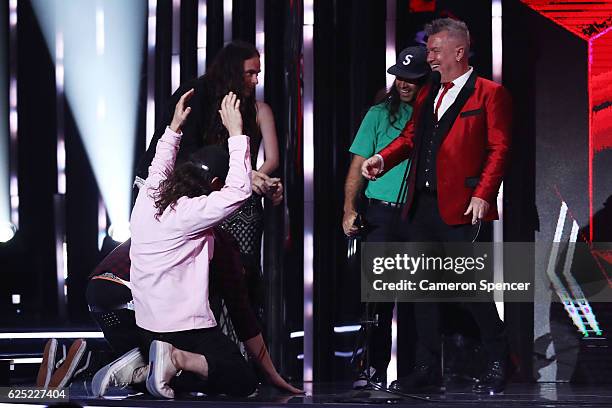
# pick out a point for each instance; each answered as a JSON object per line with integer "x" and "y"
{"x": 271, "y": 187}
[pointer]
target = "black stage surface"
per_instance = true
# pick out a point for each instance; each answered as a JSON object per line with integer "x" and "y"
{"x": 340, "y": 395}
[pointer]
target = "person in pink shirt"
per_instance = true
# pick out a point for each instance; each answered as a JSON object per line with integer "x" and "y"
{"x": 172, "y": 243}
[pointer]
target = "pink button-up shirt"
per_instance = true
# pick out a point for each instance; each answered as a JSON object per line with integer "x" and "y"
{"x": 170, "y": 255}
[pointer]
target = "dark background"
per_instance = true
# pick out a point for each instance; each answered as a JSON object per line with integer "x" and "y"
{"x": 545, "y": 69}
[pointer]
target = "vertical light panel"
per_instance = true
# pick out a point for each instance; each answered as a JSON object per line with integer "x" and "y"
{"x": 308, "y": 159}
{"x": 260, "y": 37}
{"x": 390, "y": 51}
{"x": 260, "y": 15}
{"x": 496, "y": 39}
{"x": 100, "y": 114}
{"x": 102, "y": 225}
{"x": 227, "y": 21}
{"x": 175, "y": 68}
{"x": 390, "y": 58}
{"x": 498, "y": 225}
{"x": 61, "y": 250}
{"x": 260, "y": 45}
{"x": 6, "y": 228}
{"x": 151, "y": 42}
{"x": 10, "y": 212}
{"x": 202, "y": 16}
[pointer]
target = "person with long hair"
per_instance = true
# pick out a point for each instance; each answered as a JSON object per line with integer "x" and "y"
{"x": 234, "y": 69}
{"x": 382, "y": 123}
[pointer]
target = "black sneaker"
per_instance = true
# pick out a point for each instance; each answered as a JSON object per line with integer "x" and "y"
{"x": 371, "y": 378}
{"x": 493, "y": 381}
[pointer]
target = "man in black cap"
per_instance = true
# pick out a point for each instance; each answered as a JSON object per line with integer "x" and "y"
{"x": 380, "y": 126}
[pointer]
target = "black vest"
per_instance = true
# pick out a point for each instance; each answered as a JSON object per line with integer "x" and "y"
{"x": 431, "y": 133}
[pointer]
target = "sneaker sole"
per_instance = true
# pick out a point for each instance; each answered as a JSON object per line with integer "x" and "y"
{"x": 100, "y": 381}
{"x": 46, "y": 366}
{"x": 155, "y": 349}
{"x": 64, "y": 373}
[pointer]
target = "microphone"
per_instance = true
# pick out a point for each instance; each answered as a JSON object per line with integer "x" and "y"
{"x": 435, "y": 78}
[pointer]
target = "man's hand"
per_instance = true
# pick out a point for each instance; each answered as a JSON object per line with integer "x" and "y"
{"x": 181, "y": 112}
{"x": 348, "y": 223}
{"x": 479, "y": 209}
{"x": 230, "y": 114}
{"x": 371, "y": 168}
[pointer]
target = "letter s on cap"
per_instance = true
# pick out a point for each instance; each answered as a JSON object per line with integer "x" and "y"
{"x": 407, "y": 59}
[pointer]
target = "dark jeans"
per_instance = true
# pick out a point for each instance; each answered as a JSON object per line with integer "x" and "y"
{"x": 382, "y": 221}
{"x": 118, "y": 325}
{"x": 228, "y": 371}
{"x": 424, "y": 224}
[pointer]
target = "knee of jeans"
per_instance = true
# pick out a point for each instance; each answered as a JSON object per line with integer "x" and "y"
{"x": 246, "y": 385}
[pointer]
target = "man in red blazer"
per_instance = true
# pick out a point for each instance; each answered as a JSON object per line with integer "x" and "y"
{"x": 458, "y": 140}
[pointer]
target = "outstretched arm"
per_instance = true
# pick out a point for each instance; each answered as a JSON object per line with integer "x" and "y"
{"x": 256, "y": 348}
{"x": 167, "y": 147}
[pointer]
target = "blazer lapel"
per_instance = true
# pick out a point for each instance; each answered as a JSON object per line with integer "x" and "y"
{"x": 449, "y": 117}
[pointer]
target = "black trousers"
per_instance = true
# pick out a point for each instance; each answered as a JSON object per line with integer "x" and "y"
{"x": 228, "y": 371}
{"x": 382, "y": 221}
{"x": 118, "y": 325}
{"x": 424, "y": 224}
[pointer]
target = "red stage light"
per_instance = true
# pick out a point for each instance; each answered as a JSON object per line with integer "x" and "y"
{"x": 592, "y": 21}
{"x": 422, "y": 6}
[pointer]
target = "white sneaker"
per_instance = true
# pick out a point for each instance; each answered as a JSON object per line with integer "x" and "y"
{"x": 161, "y": 369}
{"x": 130, "y": 368}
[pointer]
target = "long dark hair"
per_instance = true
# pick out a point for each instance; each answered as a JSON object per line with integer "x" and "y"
{"x": 226, "y": 73}
{"x": 391, "y": 100}
{"x": 185, "y": 180}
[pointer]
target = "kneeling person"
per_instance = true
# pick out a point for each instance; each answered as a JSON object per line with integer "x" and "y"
{"x": 172, "y": 242}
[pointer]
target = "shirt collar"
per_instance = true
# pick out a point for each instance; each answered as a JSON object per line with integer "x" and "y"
{"x": 459, "y": 82}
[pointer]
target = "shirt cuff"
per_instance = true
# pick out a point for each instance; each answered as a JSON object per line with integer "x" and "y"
{"x": 172, "y": 132}
{"x": 382, "y": 162}
{"x": 237, "y": 142}
{"x": 170, "y": 136}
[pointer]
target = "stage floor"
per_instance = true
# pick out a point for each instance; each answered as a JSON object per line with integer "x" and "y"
{"x": 340, "y": 394}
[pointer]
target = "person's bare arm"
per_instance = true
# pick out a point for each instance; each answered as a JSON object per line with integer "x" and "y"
{"x": 352, "y": 188}
{"x": 265, "y": 118}
{"x": 256, "y": 348}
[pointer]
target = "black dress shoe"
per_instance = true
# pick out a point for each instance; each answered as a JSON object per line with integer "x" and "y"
{"x": 493, "y": 381}
{"x": 424, "y": 378}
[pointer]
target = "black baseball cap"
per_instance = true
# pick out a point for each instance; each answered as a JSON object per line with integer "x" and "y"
{"x": 212, "y": 159}
{"x": 411, "y": 63}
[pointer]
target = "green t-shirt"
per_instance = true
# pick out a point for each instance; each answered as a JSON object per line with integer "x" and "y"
{"x": 373, "y": 135}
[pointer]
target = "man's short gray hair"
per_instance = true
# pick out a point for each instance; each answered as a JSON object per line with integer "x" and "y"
{"x": 455, "y": 28}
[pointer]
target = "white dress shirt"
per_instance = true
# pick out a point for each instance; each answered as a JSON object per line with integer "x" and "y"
{"x": 451, "y": 94}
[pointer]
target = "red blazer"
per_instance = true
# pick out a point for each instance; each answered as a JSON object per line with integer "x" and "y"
{"x": 473, "y": 152}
